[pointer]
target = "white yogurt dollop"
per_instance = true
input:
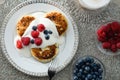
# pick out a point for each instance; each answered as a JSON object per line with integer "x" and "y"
{"x": 38, "y": 15}
{"x": 49, "y": 25}
{"x": 94, "y": 4}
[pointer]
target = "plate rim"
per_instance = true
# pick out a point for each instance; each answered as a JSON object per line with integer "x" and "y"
{"x": 75, "y": 29}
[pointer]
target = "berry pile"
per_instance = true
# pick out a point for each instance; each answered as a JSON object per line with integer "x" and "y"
{"x": 109, "y": 35}
{"x": 88, "y": 68}
{"x": 35, "y": 35}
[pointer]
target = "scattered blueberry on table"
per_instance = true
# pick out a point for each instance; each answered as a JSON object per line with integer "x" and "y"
{"x": 88, "y": 68}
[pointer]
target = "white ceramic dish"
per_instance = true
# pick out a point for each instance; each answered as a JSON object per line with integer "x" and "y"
{"x": 94, "y": 4}
{"x": 30, "y": 65}
{"x": 96, "y": 60}
{"x": 99, "y": 44}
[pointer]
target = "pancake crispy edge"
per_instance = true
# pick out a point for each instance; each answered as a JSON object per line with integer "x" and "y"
{"x": 23, "y": 23}
{"x": 59, "y": 20}
{"x": 42, "y": 54}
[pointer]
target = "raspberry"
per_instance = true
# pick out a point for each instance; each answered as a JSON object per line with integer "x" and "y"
{"x": 118, "y": 35}
{"x": 25, "y": 41}
{"x": 35, "y": 34}
{"x": 113, "y": 48}
{"x": 19, "y": 44}
{"x": 118, "y": 40}
{"x": 100, "y": 33}
{"x": 101, "y": 39}
{"x": 103, "y": 35}
{"x": 112, "y": 41}
{"x": 115, "y": 27}
{"x": 110, "y": 34}
{"x": 106, "y": 45}
{"x": 108, "y": 27}
{"x": 40, "y": 27}
{"x": 118, "y": 45}
{"x": 38, "y": 41}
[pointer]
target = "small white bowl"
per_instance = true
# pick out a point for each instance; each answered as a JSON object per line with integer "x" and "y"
{"x": 96, "y": 60}
{"x": 99, "y": 44}
{"x": 88, "y": 4}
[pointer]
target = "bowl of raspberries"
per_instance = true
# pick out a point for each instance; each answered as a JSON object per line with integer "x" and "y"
{"x": 108, "y": 38}
{"x": 88, "y": 68}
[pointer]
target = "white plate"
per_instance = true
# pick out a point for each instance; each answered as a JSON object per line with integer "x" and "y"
{"x": 30, "y": 65}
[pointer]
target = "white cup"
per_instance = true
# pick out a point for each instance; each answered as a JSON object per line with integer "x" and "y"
{"x": 94, "y": 4}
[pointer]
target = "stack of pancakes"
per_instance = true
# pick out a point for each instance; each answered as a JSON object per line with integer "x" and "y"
{"x": 48, "y": 53}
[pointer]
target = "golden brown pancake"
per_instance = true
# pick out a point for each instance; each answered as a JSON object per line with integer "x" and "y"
{"x": 59, "y": 20}
{"x": 46, "y": 54}
{"x": 23, "y": 23}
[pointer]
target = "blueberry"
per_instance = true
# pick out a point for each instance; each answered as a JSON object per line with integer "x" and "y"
{"x": 79, "y": 74}
{"x": 89, "y": 76}
{"x": 34, "y": 28}
{"x": 47, "y": 37}
{"x": 94, "y": 76}
{"x": 100, "y": 77}
{"x": 87, "y": 68}
{"x": 92, "y": 60}
{"x": 79, "y": 78}
{"x": 85, "y": 72}
{"x": 86, "y": 78}
{"x": 75, "y": 71}
{"x": 94, "y": 67}
{"x": 77, "y": 65}
{"x": 83, "y": 67}
{"x": 75, "y": 78}
{"x": 50, "y": 32}
{"x": 89, "y": 59}
{"x": 92, "y": 73}
{"x": 98, "y": 65}
{"x": 80, "y": 70}
{"x": 83, "y": 77}
{"x": 96, "y": 73}
{"x": 81, "y": 62}
{"x": 32, "y": 41}
{"x": 45, "y": 32}
{"x": 100, "y": 70}
{"x": 87, "y": 64}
